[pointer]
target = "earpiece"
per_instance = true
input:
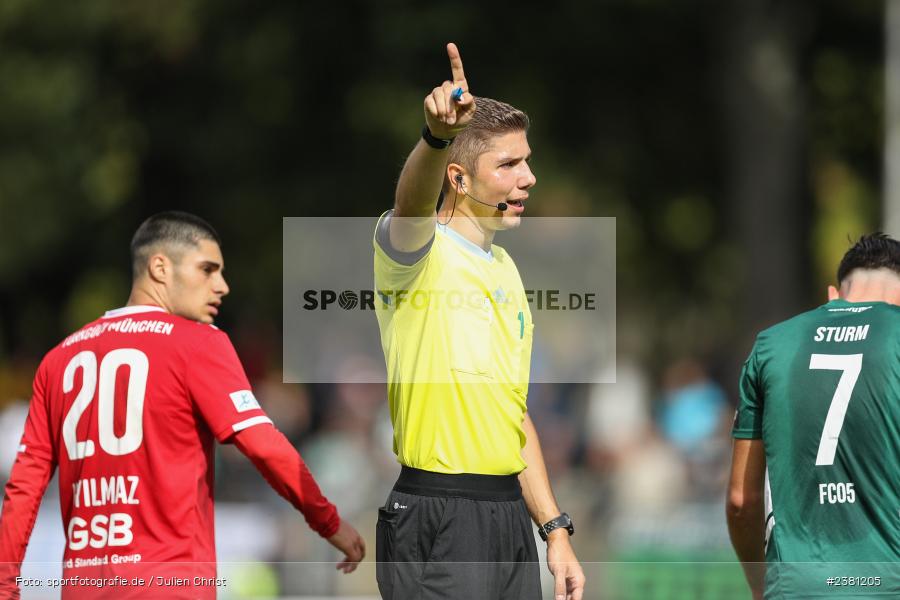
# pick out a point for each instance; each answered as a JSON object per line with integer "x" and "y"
{"x": 501, "y": 206}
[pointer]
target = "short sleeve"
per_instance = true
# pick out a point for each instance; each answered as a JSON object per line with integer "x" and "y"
{"x": 219, "y": 388}
{"x": 383, "y": 243}
{"x": 37, "y": 440}
{"x": 749, "y": 418}
{"x": 397, "y": 271}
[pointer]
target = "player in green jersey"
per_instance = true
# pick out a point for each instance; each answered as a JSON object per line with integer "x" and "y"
{"x": 814, "y": 498}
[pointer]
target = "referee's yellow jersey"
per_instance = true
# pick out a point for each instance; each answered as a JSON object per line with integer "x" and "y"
{"x": 456, "y": 331}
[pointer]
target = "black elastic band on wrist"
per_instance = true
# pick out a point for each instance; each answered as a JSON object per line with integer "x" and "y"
{"x": 434, "y": 142}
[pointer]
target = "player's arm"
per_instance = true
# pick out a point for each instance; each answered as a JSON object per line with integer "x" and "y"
{"x": 745, "y": 503}
{"x": 745, "y": 510}
{"x": 561, "y": 560}
{"x": 21, "y": 501}
{"x": 27, "y": 482}
{"x": 423, "y": 174}
{"x": 221, "y": 392}
{"x": 283, "y": 467}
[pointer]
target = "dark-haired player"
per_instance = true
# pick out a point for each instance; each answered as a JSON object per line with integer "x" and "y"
{"x": 128, "y": 408}
{"x": 820, "y": 411}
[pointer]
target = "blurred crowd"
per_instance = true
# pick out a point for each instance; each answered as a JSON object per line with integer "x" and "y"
{"x": 640, "y": 464}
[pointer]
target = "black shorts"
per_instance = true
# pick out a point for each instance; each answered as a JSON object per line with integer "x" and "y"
{"x": 456, "y": 537}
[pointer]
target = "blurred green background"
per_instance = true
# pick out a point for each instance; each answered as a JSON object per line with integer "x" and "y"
{"x": 738, "y": 143}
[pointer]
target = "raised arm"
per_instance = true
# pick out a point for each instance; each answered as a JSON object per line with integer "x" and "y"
{"x": 423, "y": 174}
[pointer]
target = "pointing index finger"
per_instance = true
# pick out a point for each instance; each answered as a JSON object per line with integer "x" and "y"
{"x": 456, "y": 66}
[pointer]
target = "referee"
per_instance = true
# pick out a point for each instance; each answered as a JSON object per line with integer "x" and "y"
{"x": 456, "y": 332}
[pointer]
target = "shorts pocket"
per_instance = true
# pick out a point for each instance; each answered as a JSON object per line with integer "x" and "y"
{"x": 396, "y": 569}
{"x": 385, "y": 533}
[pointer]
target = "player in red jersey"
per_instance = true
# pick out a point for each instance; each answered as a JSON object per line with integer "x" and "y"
{"x": 127, "y": 408}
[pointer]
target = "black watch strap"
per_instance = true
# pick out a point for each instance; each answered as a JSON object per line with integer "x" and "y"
{"x": 563, "y": 521}
{"x": 434, "y": 142}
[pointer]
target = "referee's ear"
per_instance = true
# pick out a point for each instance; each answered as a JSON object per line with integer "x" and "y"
{"x": 456, "y": 177}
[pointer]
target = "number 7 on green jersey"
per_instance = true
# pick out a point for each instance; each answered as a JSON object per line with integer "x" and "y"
{"x": 850, "y": 365}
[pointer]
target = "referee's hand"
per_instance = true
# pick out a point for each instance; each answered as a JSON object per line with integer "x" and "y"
{"x": 348, "y": 541}
{"x": 444, "y": 115}
{"x": 567, "y": 573}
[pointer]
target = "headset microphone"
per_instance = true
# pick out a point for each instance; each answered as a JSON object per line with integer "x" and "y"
{"x": 501, "y": 206}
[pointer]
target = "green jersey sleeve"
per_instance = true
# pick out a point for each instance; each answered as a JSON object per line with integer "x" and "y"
{"x": 749, "y": 417}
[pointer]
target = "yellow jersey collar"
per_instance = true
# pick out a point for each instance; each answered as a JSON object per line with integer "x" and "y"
{"x": 467, "y": 244}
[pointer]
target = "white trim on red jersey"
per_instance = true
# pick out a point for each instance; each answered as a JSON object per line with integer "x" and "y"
{"x": 251, "y": 422}
{"x": 131, "y": 310}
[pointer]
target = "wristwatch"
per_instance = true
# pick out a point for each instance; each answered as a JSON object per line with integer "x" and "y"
{"x": 435, "y": 142}
{"x": 562, "y": 521}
